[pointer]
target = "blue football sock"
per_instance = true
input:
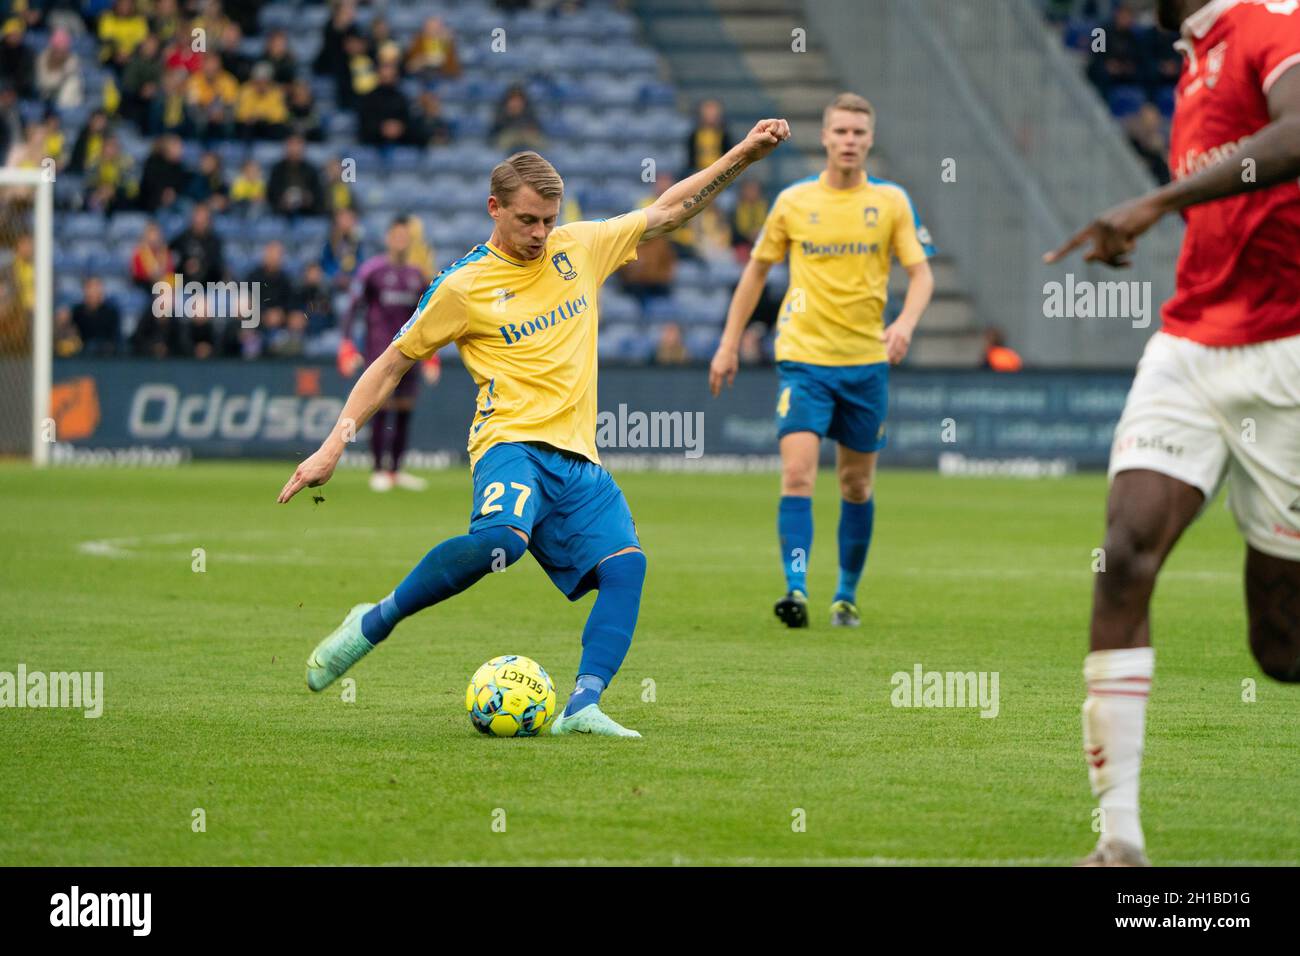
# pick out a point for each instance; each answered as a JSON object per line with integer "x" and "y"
{"x": 794, "y": 525}
{"x": 588, "y": 691}
{"x": 448, "y": 569}
{"x": 608, "y": 634}
{"x": 855, "y": 538}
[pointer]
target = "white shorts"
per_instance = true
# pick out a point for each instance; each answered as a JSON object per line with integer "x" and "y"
{"x": 1198, "y": 413}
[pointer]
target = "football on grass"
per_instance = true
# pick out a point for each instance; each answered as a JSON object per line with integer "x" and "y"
{"x": 510, "y": 696}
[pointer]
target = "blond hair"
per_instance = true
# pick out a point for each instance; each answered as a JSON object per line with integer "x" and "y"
{"x": 525, "y": 169}
{"x": 851, "y": 102}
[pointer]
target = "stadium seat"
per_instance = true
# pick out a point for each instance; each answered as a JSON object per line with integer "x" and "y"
{"x": 228, "y": 226}
{"x": 266, "y": 228}
{"x": 341, "y": 126}
{"x": 320, "y": 154}
{"x": 105, "y": 262}
{"x": 233, "y": 155}
{"x": 68, "y": 262}
{"x": 725, "y": 273}
{"x": 191, "y": 150}
{"x": 116, "y": 288}
{"x": 406, "y": 21}
{"x": 702, "y": 343}
{"x": 131, "y": 305}
{"x": 80, "y": 225}
{"x": 68, "y": 189}
{"x": 171, "y": 222}
{"x": 618, "y": 307}
{"x": 280, "y": 16}
{"x": 662, "y": 309}
{"x": 239, "y": 262}
{"x": 688, "y": 273}
{"x": 654, "y": 93}
{"x": 1126, "y": 100}
{"x": 403, "y": 159}
{"x": 125, "y": 227}
{"x": 1165, "y": 101}
{"x": 305, "y": 49}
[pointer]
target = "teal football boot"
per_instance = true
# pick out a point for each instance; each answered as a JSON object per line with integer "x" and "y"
{"x": 590, "y": 720}
{"x": 334, "y": 655}
{"x": 845, "y": 614}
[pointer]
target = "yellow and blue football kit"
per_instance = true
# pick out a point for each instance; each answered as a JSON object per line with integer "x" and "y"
{"x": 526, "y": 331}
{"x": 830, "y": 333}
{"x": 832, "y": 367}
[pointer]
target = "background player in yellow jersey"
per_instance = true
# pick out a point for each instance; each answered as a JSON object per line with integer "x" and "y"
{"x": 840, "y": 229}
{"x": 521, "y": 309}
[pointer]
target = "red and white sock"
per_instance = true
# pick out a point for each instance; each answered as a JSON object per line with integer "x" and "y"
{"x": 1114, "y": 730}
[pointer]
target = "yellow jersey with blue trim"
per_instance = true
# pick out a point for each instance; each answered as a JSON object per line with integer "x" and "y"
{"x": 526, "y": 330}
{"x": 840, "y": 243}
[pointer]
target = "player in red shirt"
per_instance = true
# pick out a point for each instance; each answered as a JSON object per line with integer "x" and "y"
{"x": 1217, "y": 392}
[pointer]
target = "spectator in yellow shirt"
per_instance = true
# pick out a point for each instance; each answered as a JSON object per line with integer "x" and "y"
{"x": 262, "y": 113}
{"x": 121, "y": 30}
{"x": 709, "y": 139}
{"x": 419, "y": 254}
{"x": 432, "y": 54}
{"x": 212, "y": 94}
{"x": 110, "y": 179}
{"x": 749, "y": 215}
{"x": 249, "y": 187}
{"x": 25, "y": 272}
{"x": 338, "y": 191}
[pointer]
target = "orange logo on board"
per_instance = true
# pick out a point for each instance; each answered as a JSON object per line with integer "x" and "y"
{"x": 74, "y": 406}
{"x": 306, "y": 381}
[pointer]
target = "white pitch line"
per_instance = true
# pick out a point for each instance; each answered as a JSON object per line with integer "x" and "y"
{"x": 127, "y": 547}
{"x": 130, "y": 546}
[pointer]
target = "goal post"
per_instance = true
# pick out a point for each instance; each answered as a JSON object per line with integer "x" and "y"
{"x": 26, "y": 311}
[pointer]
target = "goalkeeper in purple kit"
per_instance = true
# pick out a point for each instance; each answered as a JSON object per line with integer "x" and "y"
{"x": 388, "y": 286}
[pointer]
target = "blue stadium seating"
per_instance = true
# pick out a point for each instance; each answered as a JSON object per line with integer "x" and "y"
{"x": 598, "y": 93}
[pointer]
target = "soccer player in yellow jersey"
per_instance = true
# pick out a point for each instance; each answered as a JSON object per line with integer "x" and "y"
{"x": 521, "y": 309}
{"x": 840, "y": 229}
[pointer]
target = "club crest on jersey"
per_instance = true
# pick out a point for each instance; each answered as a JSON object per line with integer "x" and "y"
{"x": 1214, "y": 64}
{"x": 563, "y": 266}
{"x": 812, "y": 219}
{"x": 870, "y": 216}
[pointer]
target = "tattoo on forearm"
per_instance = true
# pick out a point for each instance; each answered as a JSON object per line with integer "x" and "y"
{"x": 719, "y": 181}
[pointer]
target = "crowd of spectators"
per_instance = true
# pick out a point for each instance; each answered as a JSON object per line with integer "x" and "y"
{"x": 1132, "y": 64}
{"x": 192, "y": 77}
{"x": 181, "y": 73}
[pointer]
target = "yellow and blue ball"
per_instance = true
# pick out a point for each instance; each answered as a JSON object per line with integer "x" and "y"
{"x": 510, "y": 696}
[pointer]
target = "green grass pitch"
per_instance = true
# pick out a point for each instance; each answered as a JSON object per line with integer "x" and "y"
{"x": 206, "y": 707}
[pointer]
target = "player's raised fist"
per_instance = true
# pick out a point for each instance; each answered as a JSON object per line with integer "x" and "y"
{"x": 765, "y": 136}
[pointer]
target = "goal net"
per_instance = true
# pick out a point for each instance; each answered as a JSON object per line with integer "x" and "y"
{"x": 26, "y": 319}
